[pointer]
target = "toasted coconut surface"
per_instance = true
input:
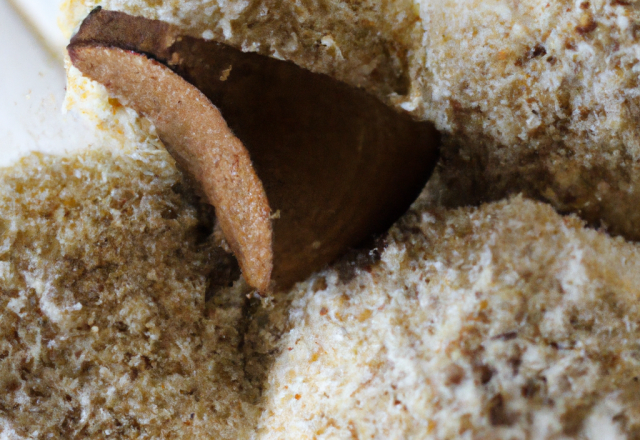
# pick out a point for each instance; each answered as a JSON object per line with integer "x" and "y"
{"x": 502, "y": 322}
{"x": 505, "y": 321}
{"x": 104, "y": 331}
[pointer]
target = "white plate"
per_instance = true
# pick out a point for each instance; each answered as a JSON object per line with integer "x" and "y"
{"x": 32, "y": 83}
{"x": 42, "y": 17}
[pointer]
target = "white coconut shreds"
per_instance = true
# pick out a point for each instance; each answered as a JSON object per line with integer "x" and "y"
{"x": 504, "y": 322}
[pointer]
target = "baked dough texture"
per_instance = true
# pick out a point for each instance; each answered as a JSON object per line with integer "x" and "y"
{"x": 505, "y": 321}
{"x": 538, "y": 96}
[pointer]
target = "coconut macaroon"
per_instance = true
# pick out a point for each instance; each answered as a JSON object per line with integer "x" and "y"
{"x": 507, "y": 321}
{"x": 105, "y": 263}
{"x": 538, "y": 96}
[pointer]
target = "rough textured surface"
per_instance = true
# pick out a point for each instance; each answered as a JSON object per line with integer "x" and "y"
{"x": 364, "y": 43}
{"x": 504, "y": 322}
{"x": 541, "y": 97}
{"x": 507, "y": 321}
{"x": 104, "y": 331}
{"x": 538, "y": 96}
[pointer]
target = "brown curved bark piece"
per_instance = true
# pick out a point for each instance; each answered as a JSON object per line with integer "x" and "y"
{"x": 336, "y": 163}
{"x": 201, "y": 142}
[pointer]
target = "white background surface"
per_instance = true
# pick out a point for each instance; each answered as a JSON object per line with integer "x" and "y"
{"x": 42, "y": 16}
{"x": 32, "y": 82}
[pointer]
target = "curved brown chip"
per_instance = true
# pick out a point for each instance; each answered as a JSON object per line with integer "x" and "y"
{"x": 336, "y": 163}
{"x": 201, "y": 142}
